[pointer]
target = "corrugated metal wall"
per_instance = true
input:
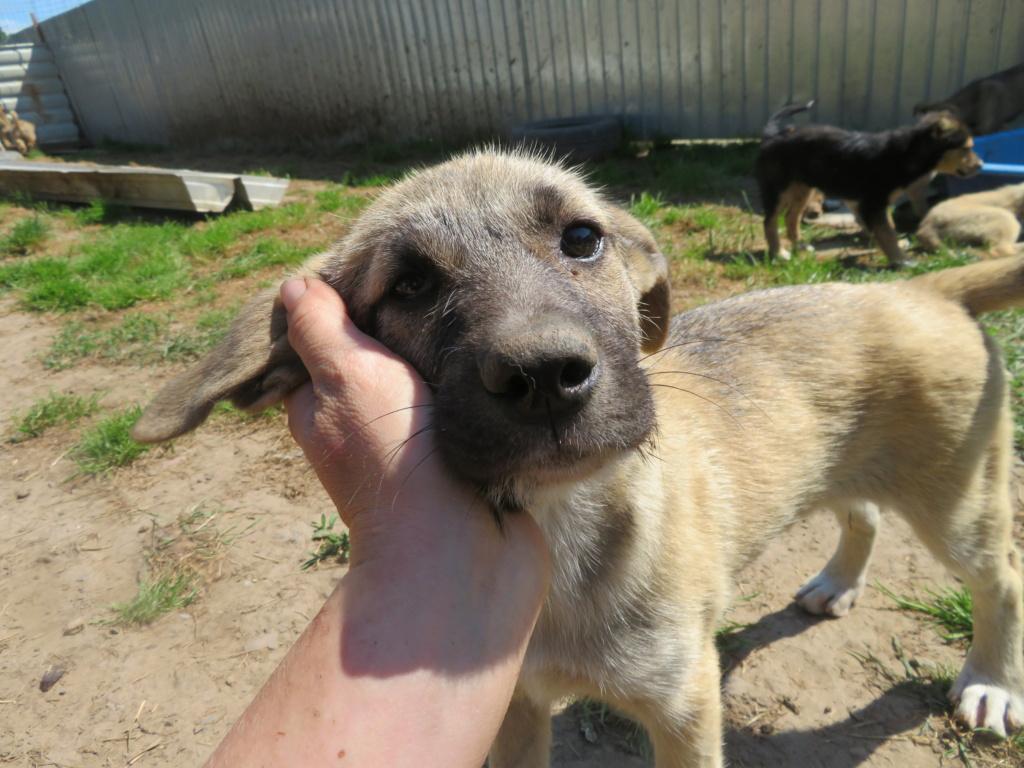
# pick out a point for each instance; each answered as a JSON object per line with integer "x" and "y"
{"x": 30, "y": 85}
{"x": 194, "y": 71}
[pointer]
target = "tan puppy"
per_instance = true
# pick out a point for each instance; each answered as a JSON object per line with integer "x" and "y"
{"x": 988, "y": 219}
{"x": 660, "y": 458}
{"x": 15, "y": 133}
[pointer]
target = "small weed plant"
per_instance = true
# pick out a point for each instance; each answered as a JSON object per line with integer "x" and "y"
{"x": 949, "y": 609}
{"x": 155, "y": 597}
{"x": 181, "y": 556}
{"x": 56, "y": 409}
{"x": 331, "y": 544}
{"x": 106, "y": 446}
{"x": 25, "y": 236}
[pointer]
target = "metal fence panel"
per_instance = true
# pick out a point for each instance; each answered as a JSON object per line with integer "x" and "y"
{"x": 285, "y": 71}
{"x": 30, "y": 85}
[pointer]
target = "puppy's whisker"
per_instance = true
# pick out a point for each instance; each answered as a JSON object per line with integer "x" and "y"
{"x": 733, "y": 387}
{"x": 393, "y": 454}
{"x": 356, "y": 431}
{"x": 697, "y": 341}
{"x": 551, "y": 421}
{"x": 448, "y": 305}
{"x": 448, "y": 352}
{"x": 722, "y": 408}
{"x": 385, "y": 415}
{"x": 411, "y": 471}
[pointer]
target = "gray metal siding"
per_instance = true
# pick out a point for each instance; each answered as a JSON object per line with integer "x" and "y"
{"x": 194, "y": 71}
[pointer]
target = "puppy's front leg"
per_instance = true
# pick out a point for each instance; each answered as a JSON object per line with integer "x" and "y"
{"x": 876, "y": 217}
{"x": 798, "y": 195}
{"x": 687, "y": 733}
{"x": 841, "y": 582}
{"x": 524, "y": 739}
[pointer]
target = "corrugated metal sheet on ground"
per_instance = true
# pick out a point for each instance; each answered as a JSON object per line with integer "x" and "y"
{"x": 31, "y": 86}
{"x": 145, "y": 187}
{"x": 193, "y": 71}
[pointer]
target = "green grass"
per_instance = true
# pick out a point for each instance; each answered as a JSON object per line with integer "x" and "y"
{"x": 166, "y": 593}
{"x": 336, "y": 199}
{"x": 56, "y": 409}
{"x": 927, "y": 682}
{"x": 332, "y": 545}
{"x": 727, "y": 636}
{"x": 271, "y": 252}
{"x": 126, "y": 265}
{"x": 196, "y": 539}
{"x": 139, "y": 339}
{"x": 949, "y": 609}
{"x": 99, "y": 212}
{"x": 129, "y": 262}
{"x": 681, "y": 172}
{"x": 106, "y": 446}
{"x": 25, "y": 236}
{"x": 1007, "y": 327}
{"x": 183, "y": 552}
{"x": 646, "y": 207}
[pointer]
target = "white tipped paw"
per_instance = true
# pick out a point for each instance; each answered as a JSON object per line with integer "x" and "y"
{"x": 981, "y": 705}
{"x": 784, "y": 255}
{"x": 826, "y": 595}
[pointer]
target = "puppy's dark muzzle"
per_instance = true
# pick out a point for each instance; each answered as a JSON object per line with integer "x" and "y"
{"x": 970, "y": 170}
{"x": 549, "y": 372}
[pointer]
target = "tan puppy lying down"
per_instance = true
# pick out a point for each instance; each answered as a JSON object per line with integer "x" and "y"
{"x": 660, "y": 457}
{"x": 983, "y": 219}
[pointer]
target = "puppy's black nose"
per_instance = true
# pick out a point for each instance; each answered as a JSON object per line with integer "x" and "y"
{"x": 551, "y": 373}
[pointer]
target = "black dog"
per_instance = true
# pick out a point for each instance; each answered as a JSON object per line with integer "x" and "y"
{"x": 866, "y": 169}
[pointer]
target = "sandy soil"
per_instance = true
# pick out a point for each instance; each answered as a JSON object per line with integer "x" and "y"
{"x": 800, "y": 691}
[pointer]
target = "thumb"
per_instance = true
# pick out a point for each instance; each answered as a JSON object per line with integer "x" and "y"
{"x": 319, "y": 329}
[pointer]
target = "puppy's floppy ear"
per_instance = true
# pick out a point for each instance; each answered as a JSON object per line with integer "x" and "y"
{"x": 655, "y": 301}
{"x": 648, "y": 271}
{"x": 254, "y": 367}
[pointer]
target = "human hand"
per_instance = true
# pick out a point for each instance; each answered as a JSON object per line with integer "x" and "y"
{"x": 364, "y": 418}
{"x": 364, "y": 423}
{"x": 413, "y": 660}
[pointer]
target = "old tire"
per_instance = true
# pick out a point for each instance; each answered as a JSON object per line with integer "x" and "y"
{"x": 576, "y": 137}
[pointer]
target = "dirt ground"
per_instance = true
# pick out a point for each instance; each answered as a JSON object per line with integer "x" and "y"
{"x": 800, "y": 691}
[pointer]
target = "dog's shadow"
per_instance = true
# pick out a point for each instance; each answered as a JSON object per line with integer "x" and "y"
{"x": 848, "y": 743}
{"x": 852, "y": 256}
{"x": 851, "y": 742}
{"x": 905, "y": 706}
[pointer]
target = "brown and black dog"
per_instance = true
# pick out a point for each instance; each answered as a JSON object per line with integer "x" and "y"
{"x": 865, "y": 169}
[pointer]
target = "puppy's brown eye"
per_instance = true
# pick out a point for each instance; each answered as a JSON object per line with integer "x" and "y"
{"x": 580, "y": 241}
{"x": 411, "y": 286}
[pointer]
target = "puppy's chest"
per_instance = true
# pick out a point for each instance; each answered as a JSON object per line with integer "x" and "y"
{"x": 606, "y": 626}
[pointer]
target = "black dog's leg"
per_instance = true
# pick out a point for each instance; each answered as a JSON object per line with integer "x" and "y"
{"x": 875, "y": 214}
{"x": 771, "y": 200}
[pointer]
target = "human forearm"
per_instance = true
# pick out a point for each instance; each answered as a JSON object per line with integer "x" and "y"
{"x": 409, "y": 663}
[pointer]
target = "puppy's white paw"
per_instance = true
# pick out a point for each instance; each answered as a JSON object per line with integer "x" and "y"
{"x": 784, "y": 255}
{"x": 986, "y": 705}
{"x": 807, "y": 247}
{"x": 827, "y": 595}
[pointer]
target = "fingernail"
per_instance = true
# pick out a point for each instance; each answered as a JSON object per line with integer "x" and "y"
{"x": 292, "y": 291}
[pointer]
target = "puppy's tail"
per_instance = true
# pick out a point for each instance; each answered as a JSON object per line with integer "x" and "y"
{"x": 772, "y": 127}
{"x": 983, "y": 287}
